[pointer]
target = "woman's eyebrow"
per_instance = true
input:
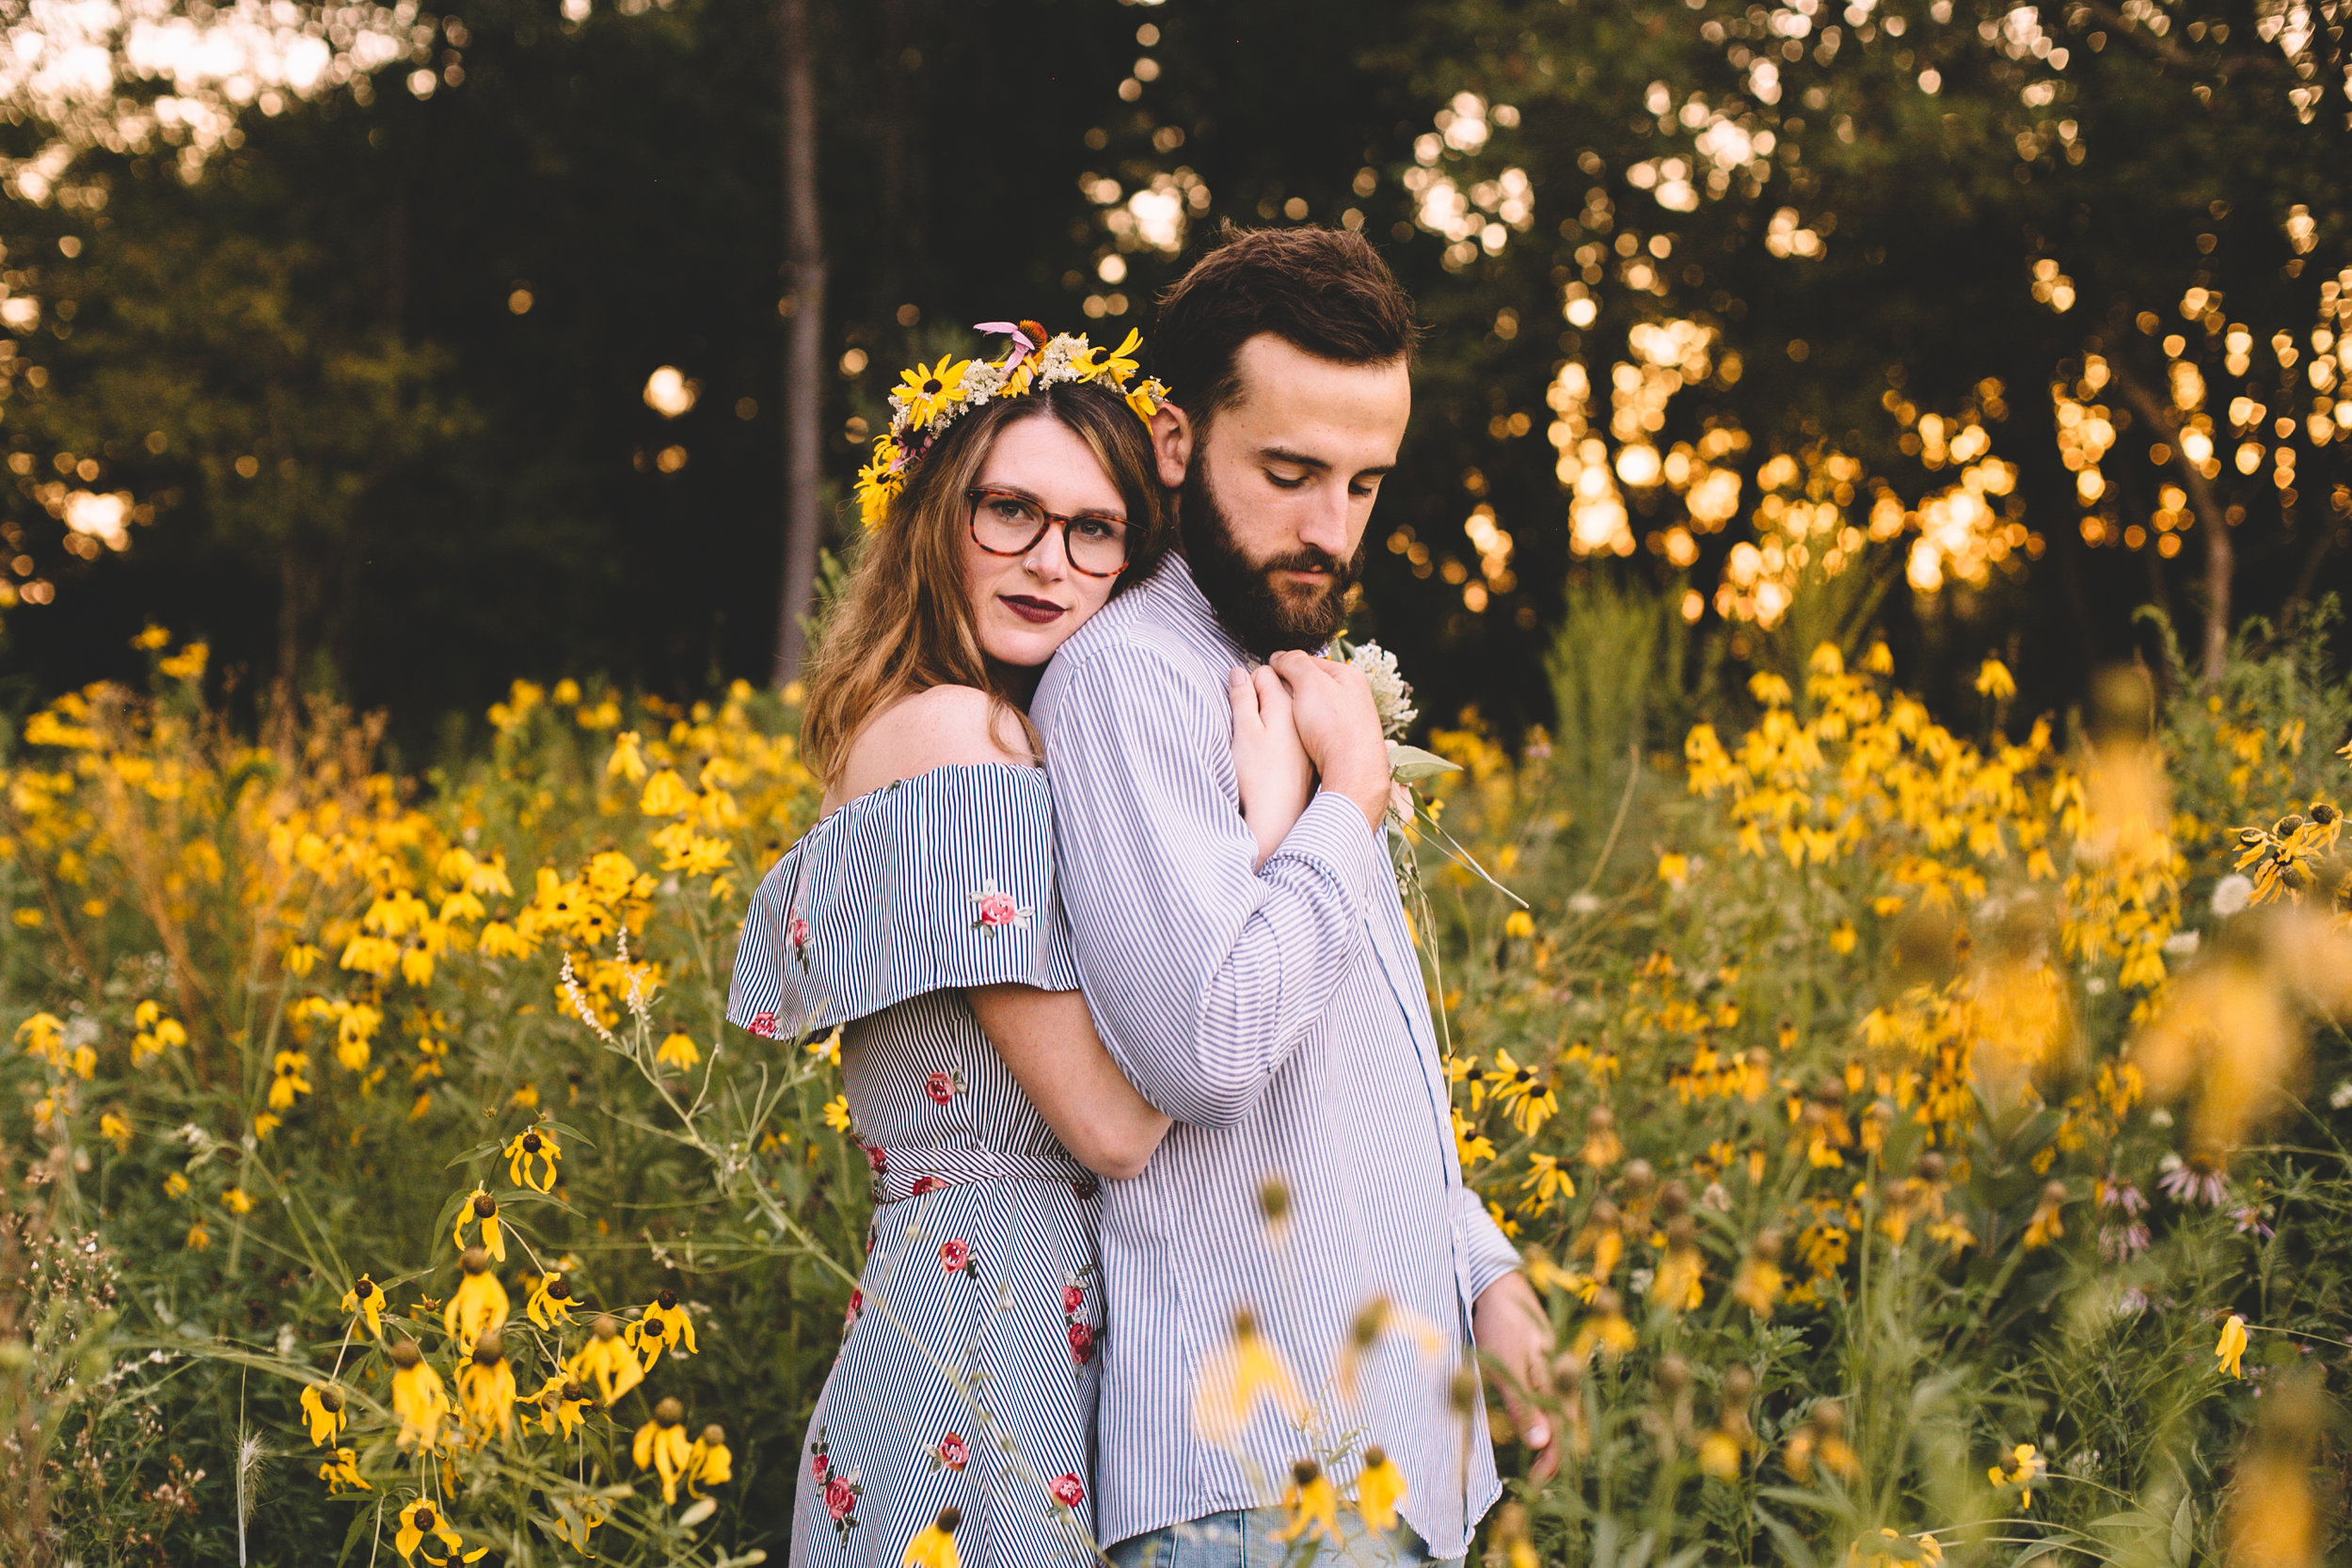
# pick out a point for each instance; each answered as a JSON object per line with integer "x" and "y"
{"x": 1039, "y": 501}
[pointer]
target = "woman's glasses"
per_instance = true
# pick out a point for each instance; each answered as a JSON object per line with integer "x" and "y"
{"x": 1005, "y": 522}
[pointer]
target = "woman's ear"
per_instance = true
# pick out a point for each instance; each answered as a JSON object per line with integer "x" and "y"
{"x": 1171, "y": 444}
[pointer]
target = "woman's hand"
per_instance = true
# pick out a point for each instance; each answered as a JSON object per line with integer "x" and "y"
{"x": 1268, "y": 760}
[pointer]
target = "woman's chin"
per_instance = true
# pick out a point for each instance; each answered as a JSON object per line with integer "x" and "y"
{"x": 1025, "y": 649}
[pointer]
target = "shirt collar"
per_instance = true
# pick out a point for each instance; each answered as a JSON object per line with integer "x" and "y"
{"x": 1171, "y": 584}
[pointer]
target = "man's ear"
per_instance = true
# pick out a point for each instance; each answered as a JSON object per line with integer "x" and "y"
{"x": 1171, "y": 443}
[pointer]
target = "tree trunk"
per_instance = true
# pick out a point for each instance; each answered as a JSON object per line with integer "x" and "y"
{"x": 804, "y": 341}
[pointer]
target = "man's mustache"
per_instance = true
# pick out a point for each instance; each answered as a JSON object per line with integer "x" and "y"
{"x": 1308, "y": 558}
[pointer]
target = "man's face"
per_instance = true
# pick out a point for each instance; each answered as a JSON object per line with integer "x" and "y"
{"x": 1278, "y": 494}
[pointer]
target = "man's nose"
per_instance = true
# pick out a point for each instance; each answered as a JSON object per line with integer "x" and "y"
{"x": 1325, "y": 524}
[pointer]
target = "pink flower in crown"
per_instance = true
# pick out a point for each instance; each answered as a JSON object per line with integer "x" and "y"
{"x": 1068, "y": 1492}
{"x": 995, "y": 908}
{"x": 956, "y": 1258}
{"x": 1081, "y": 1342}
{"x": 764, "y": 1026}
{"x": 950, "y": 1454}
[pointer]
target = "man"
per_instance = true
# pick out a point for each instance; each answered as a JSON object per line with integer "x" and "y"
{"x": 1308, "y": 1197}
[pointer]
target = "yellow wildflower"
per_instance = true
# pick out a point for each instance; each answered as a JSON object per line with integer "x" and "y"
{"x": 198, "y": 1237}
{"x": 1549, "y": 1179}
{"x": 2045, "y": 1225}
{"x": 479, "y": 1206}
{"x": 2231, "y": 1350}
{"x": 420, "y": 1521}
{"x": 661, "y": 1446}
{"x": 605, "y": 1361}
{"x": 479, "y": 1304}
{"x": 708, "y": 1462}
{"x": 666, "y": 795}
{"x": 238, "y": 1200}
{"x": 537, "y": 1143}
{"x": 665, "y": 1324}
{"x": 1313, "y": 1504}
{"x": 934, "y": 1545}
{"x": 1994, "y": 681}
{"x": 2027, "y": 1469}
{"x": 1378, "y": 1490}
{"x": 322, "y": 1412}
{"x": 365, "y": 1300}
{"x": 486, "y": 1388}
{"x": 116, "y": 1129}
{"x": 549, "y": 1302}
{"x": 628, "y": 760}
{"x": 562, "y": 1404}
{"x": 175, "y": 1185}
{"x": 837, "y": 1113}
{"x": 287, "y": 1081}
{"x": 1605, "y": 1329}
{"x": 1235, "y": 1378}
{"x": 340, "y": 1472}
{"x": 419, "y": 1398}
{"x": 681, "y": 1052}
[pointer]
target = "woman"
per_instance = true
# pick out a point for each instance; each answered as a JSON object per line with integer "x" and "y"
{"x": 1009, "y": 502}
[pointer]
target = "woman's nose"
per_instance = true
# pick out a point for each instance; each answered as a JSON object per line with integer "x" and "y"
{"x": 1049, "y": 558}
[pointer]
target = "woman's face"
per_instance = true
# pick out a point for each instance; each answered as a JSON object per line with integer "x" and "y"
{"x": 1024, "y": 606}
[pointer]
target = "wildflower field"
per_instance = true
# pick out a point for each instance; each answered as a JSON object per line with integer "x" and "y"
{"x": 1926, "y": 1132}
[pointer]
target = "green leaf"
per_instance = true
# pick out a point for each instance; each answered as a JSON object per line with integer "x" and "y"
{"x": 1411, "y": 765}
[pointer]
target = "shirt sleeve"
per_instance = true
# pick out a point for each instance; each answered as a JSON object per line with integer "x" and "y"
{"x": 1202, "y": 975}
{"x": 1487, "y": 1255}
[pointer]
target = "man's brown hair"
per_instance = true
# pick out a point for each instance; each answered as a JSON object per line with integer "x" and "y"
{"x": 1323, "y": 291}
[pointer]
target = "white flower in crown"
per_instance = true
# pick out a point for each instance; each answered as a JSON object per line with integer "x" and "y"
{"x": 994, "y": 907}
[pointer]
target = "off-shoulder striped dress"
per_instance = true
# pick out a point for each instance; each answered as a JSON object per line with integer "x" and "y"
{"x": 970, "y": 1353}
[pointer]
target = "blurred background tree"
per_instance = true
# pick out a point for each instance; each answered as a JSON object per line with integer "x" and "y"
{"x": 401, "y": 352}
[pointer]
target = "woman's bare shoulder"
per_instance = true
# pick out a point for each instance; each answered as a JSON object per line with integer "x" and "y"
{"x": 940, "y": 726}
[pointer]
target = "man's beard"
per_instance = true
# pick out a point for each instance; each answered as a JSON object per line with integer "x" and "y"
{"x": 1262, "y": 618}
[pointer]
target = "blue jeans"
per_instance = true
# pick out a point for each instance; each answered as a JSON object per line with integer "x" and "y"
{"x": 1245, "y": 1539}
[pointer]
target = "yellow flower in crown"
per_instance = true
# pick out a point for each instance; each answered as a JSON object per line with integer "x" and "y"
{"x": 925, "y": 390}
{"x": 1117, "y": 364}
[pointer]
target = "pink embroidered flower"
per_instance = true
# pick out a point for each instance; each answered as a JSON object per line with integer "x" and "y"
{"x": 1081, "y": 1342}
{"x": 941, "y": 1087}
{"x": 952, "y": 1454}
{"x": 764, "y": 1026}
{"x": 848, "y": 1318}
{"x": 1068, "y": 1492}
{"x": 876, "y": 1156}
{"x": 797, "y": 931}
{"x": 840, "y": 1501}
{"x": 818, "y": 1465}
{"x": 925, "y": 1184}
{"x": 1074, "y": 1296}
{"x": 956, "y": 1256}
{"x": 995, "y": 907}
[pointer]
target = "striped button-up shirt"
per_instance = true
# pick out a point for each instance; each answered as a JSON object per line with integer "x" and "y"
{"x": 1281, "y": 1017}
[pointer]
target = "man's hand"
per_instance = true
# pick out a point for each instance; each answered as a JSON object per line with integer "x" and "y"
{"x": 1338, "y": 725}
{"x": 1512, "y": 1331}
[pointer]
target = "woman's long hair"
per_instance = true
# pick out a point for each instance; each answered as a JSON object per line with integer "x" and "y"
{"x": 905, "y": 623}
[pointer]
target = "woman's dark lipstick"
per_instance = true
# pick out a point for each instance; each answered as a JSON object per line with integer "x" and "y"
{"x": 1037, "y": 613}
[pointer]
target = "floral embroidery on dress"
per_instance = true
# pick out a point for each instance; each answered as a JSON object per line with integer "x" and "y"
{"x": 842, "y": 1489}
{"x": 1083, "y": 1338}
{"x": 850, "y": 1317}
{"x": 925, "y": 1184}
{"x": 956, "y": 1258}
{"x": 1068, "y": 1491}
{"x": 949, "y": 1453}
{"x": 877, "y": 1157}
{"x": 943, "y": 1086}
{"x": 798, "y": 931}
{"x": 764, "y": 1026}
{"x": 995, "y": 908}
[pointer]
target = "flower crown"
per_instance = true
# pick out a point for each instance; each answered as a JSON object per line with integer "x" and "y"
{"x": 929, "y": 398}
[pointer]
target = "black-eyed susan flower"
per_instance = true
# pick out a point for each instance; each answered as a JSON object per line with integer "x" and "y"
{"x": 1379, "y": 1488}
{"x": 708, "y": 1462}
{"x": 531, "y": 1159}
{"x": 550, "y": 1301}
{"x": 837, "y": 1113}
{"x": 324, "y": 1413}
{"x": 2045, "y": 1225}
{"x": 562, "y": 1404}
{"x": 1236, "y": 1378}
{"x": 479, "y": 1306}
{"x": 579, "y": 1518}
{"x": 665, "y": 1326}
{"x": 1601, "y": 1239}
{"x": 606, "y": 1361}
{"x": 419, "y": 1398}
{"x": 422, "y": 1523}
{"x": 1758, "y": 1284}
{"x": 1604, "y": 1329}
{"x": 681, "y": 1052}
{"x": 934, "y": 1545}
{"x": 1601, "y": 1148}
{"x": 1821, "y": 1439}
{"x": 480, "y": 1208}
{"x": 1310, "y": 1505}
{"x": 661, "y": 1446}
{"x": 365, "y": 1302}
{"x": 340, "y": 1472}
{"x": 2231, "y": 1350}
{"x": 486, "y": 1388}
{"x": 2026, "y": 1471}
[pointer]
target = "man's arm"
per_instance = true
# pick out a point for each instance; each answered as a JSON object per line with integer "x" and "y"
{"x": 1204, "y": 974}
